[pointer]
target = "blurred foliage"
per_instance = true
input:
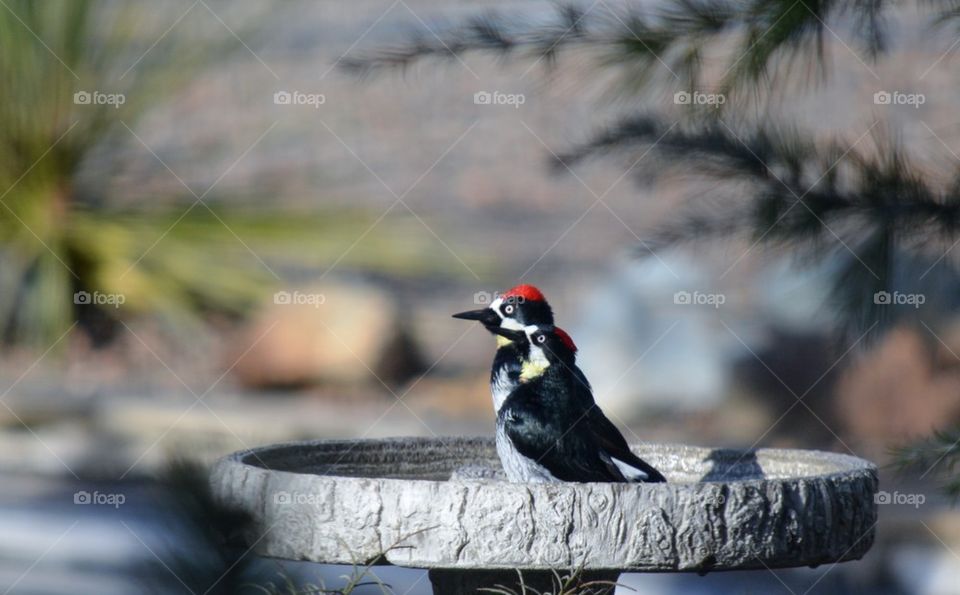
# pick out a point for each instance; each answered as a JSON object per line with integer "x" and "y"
{"x": 61, "y": 227}
{"x": 882, "y": 220}
{"x": 873, "y": 217}
{"x": 209, "y": 554}
{"x": 874, "y": 214}
{"x": 940, "y": 452}
{"x": 361, "y": 575}
{"x": 650, "y": 48}
{"x": 53, "y": 242}
{"x": 567, "y": 582}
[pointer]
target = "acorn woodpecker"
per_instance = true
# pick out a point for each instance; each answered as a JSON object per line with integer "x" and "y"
{"x": 513, "y": 310}
{"x": 545, "y": 434}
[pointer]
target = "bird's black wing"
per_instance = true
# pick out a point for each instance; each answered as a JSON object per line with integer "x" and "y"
{"x": 607, "y": 435}
{"x": 561, "y": 444}
{"x": 626, "y": 456}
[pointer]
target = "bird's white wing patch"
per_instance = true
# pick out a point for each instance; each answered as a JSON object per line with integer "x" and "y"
{"x": 629, "y": 471}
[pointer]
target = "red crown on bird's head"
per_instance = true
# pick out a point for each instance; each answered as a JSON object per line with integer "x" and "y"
{"x": 565, "y": 338}
{"x": 528, "y": 293}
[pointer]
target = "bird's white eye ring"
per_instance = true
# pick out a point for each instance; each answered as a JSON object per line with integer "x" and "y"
{"x": 541, "y": 338}
{"x": 508, "y": 309}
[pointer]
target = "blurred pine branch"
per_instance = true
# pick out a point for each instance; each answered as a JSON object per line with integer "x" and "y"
{"x": 872, "y": 216}
{"x": 939, "y": 454}
{"x": 865, "y": 207}
{"x": 653, "y": 47}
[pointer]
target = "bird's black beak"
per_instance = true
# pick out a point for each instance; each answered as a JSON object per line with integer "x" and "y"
{"x": 487, "y": 316}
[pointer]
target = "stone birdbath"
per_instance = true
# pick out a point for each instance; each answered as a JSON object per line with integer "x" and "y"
{"x": 442, "y": 501}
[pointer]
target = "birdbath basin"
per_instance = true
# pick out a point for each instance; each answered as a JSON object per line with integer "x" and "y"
{"x": 441, "y": 504}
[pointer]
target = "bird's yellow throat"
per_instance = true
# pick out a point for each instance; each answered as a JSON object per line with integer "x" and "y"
{"x": 530, "y": 370}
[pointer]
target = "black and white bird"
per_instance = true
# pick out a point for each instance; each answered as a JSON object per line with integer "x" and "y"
{"x": 513, "y": 310}
{"x": 544, "y": 432}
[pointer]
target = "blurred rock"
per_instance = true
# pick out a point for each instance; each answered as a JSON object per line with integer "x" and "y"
{"x": 896, "y": 393}
{"x": 337, "y": 333}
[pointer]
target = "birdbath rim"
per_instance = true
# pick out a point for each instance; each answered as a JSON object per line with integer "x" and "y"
{"x": 721, "y": 509}
{"x": 843, "y": 464}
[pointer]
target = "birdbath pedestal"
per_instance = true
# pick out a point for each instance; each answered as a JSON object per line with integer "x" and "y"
{"x": 439, "y": 504}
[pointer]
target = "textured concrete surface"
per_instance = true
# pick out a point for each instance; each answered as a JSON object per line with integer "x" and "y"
{"x": 348, "y": 501}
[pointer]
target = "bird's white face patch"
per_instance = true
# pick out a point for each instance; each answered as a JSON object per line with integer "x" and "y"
{"x": 495, "y": 306}
{"x": 505, "y": 322}
{"x": 537, "y": 361}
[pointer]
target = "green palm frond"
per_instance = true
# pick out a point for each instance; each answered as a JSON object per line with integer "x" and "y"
{"x": 65, "y": 229}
